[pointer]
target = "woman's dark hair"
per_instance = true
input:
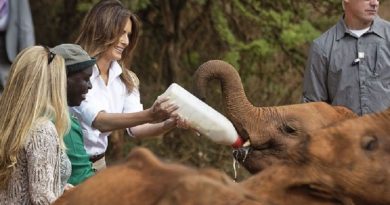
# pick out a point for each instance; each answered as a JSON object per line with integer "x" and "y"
{"x": 102, "y": 27}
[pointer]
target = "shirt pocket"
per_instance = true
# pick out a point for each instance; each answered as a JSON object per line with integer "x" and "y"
{"x": 338, "y": 60}
{"x": 340, "y": 68}
{"x": 371, "y": 58}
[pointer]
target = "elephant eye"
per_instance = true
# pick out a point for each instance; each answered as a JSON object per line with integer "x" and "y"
{"x": 369, "y": 143}
{"x": 288, "y": 129}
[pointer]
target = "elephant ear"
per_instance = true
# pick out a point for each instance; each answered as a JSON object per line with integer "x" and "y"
{"x": 344, "y": 111}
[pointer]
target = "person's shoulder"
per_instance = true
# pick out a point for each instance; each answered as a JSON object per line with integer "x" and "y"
{"x": 133, "y": 78}
{"x": 42, "y": 133}
{"x": 130, "y": 75}
{"x": 380, "y": 19}
{"x": 43, "y": 127}
{"x": 323, "y": 43}
{"x": 384, "y": 23}
{"x": 381, "y": 27}
{"x": 326, "y": 36}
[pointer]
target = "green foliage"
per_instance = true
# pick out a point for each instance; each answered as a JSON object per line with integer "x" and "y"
{"x": 137, "y": 5}
{"x": 193, "y": 58}
{"x": 233, "y": 58}
{"x": 200, "y": 2}
{"x": 278, "y": 19}
{"x": 86, "y": 5}
{"x": 222, "y": 26}
{"x": 245, "y": 12}
{"x": 259, "y": 47}
{"x": 295, "y": 35}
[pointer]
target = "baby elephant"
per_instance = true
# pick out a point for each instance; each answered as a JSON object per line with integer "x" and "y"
{"x": 356, "y": 155}
{"x": 346, "y": 164}
{"x": 145, "y": 180}
{"x": 272, "y": 131}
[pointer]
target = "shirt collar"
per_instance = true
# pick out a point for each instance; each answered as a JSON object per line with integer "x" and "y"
{"x": 115, "y": 71}
{"x": 377, "y": 27}
{"x": 95, "y": 72}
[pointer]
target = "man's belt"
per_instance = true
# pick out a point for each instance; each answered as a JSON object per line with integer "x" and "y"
{"x": 95, "y": 158}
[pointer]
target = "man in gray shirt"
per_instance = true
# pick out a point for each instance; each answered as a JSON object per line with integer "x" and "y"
{"x": 349, "y": 64}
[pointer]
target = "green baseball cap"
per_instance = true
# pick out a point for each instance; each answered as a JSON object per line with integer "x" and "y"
{"x": 76, "y": 58}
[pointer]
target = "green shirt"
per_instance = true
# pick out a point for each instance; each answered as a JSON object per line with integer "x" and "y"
{"x": 81, "y": 166}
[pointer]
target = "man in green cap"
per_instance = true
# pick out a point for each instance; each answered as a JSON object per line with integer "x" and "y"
{"x": 79, "y": 70}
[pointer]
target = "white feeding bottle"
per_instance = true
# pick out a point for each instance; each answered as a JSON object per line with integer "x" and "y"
{"x": 202, "y": 117}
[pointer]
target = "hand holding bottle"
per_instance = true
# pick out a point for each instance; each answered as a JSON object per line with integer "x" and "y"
{"x": 199, "y": 116}
{"x": 162, "y": 109}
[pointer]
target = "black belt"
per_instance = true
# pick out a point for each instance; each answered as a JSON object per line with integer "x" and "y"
{"x": 95, "y": 158}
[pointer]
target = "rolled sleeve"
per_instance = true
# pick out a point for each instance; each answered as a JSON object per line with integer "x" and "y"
{"x": 132, "y": 104}
{"x": 88, "y": 110}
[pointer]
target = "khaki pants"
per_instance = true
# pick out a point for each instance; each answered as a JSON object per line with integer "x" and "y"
{"x": 99, "y": 165}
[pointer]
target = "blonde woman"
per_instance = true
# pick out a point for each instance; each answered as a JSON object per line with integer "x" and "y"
{"x": 33, "y": 120}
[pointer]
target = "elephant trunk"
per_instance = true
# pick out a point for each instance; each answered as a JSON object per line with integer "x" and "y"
{"x": 235, "y": 101}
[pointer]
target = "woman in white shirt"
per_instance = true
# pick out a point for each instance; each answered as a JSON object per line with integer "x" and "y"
{"x": 110, "y": 32}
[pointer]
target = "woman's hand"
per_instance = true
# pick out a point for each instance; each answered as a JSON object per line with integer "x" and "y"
{"x": 176, "y": 121}
{"x": 182, "y": 122}
{"x": 162, "y": 109}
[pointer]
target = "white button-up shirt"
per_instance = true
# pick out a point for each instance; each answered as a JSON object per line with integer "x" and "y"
{"x": 111, "y": 98}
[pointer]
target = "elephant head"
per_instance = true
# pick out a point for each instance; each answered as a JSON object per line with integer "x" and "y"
{"x": 355, "y": 153}
{"x": 272, "y": 131}
{"x": 347, "y": 163}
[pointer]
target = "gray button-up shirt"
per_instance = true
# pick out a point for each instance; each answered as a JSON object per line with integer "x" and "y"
{"x": 343, "y": 69}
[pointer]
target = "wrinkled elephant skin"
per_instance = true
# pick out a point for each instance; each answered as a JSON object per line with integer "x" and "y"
{"x": 347, "y": 163}
{"x": 356, "y": 154}
{"x": 272, "y": 131}
{"x": 145, "y": 180}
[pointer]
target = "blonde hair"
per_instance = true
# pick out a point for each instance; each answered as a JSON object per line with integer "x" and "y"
{"x": 102, "y": 27}
{"x": 35, "y": 92}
